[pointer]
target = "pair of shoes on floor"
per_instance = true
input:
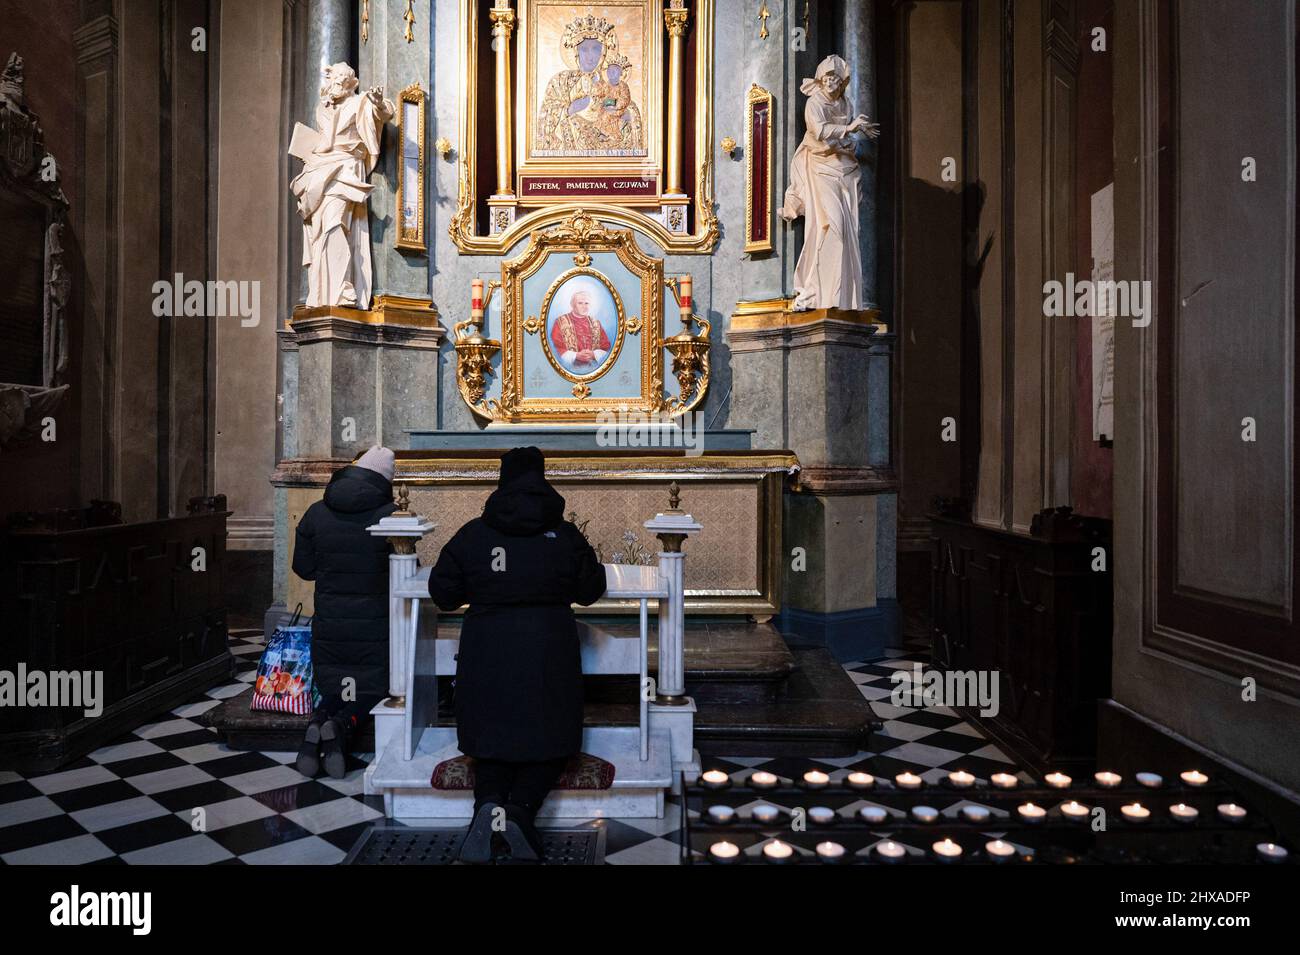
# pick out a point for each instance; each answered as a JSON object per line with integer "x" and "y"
{"x": 516, "y": 830}
{"x": 324, "y": 742}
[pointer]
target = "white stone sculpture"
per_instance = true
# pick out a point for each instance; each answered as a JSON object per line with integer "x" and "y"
{"x": 332, "y": 191}
{"x": 824, "y": 190}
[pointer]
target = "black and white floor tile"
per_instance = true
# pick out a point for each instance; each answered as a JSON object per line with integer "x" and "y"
{"x": 171, "y": 793}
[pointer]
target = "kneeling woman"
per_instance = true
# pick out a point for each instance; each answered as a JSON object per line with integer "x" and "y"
{"x": 520, "y": 567}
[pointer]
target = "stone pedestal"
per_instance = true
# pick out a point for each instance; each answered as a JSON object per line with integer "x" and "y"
{"x": 817, "y": 382}
{"x": 364, "y": 376}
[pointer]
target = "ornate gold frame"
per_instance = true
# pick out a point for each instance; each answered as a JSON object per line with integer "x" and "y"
{"x": 652, "y": 118}
{"x": 462, "y": 227}
{"x": 581, "y": 236}
{"x": 756, "y": 96}
{"x": 410, "y": 236}
{"x": 533, "y": 325}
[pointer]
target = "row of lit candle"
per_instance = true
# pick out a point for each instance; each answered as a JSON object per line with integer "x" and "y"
{"x": 1029, "y": 812}
{"x": 945, "y": 850}
{"x": 958, "y": 779}
{"x": 888, "y": 851}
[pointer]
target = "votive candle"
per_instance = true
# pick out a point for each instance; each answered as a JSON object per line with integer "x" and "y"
{"x": 960, "y": 779}
{"x": 762, "y": 780}
{"x": 1074, "y": 811}
{"x": 815, "y": 779}
{"x": 925, "y": 814}
{"x": 1151, "y": 780}
{"x": 946, "y": 851}
{"x": 1183, "y": 812}
{"x": 1194, "y": 777}
{"x": 765, "y": 813}
{"x": 830, "y": 851}
{"x": 1107, "y": 780}
{"x": 778, "y": 851}
{"x": 714, "y": 778}
{"x": 873, "y": 815}
{"x": 1057, "y": 780}
{"x": 1231, "y": 812}
{"x": 1135, "y": 812}
{"x": 861, "y": 780}
{"x": 1268, "y": 852}
{"x": 907, "y": 780}
{"x": 1000, "y": 851}
{"x": 975, "y": 813}
{"x": 1031, "y": 813}
{"x": 724, "y": 852}
{"x": 822, "y": 815}
{"x": 1004, "y": 781}
{"x": 890, "y": 851}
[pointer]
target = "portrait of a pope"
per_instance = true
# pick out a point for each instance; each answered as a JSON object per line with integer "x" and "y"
{"x": 578, "y": 339}
{"x": 588, "y": 109}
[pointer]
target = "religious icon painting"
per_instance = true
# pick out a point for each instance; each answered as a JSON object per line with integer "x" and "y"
{"x": 589, "y": 111}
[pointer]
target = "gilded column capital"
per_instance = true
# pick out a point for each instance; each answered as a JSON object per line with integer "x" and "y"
{"x": 675, "y": 21}
{"x": 503, "y": 21}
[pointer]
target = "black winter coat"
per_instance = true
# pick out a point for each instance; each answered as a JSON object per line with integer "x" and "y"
{"x": 519, "y": 674}
{"x": 349, "y": 631}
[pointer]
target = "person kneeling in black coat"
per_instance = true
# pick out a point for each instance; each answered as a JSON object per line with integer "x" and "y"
{"x": 520, "y": 567}
{"x": 349, "y": 630}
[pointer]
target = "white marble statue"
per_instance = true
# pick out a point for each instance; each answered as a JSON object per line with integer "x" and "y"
{"x": 824, "y": 190}
{"x": 332, "y": 191}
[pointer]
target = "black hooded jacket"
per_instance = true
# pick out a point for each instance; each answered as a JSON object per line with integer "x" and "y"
{"x": 349, "y": 636}
{"x": 520, "y": 567}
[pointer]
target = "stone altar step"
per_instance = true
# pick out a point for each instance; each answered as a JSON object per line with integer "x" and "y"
{"x": 637, "y": 790}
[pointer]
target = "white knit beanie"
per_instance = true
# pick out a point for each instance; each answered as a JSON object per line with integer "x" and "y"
{"x": 379, "y": 460}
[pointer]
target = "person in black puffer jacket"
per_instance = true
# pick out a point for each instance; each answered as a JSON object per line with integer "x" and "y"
{"x": 520, "y": 567}
{"x": 349, "y": 630}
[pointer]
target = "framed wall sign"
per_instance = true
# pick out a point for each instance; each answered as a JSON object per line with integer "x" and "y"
{"x": 410, "y": 169}
{"x": 758, "y": 170}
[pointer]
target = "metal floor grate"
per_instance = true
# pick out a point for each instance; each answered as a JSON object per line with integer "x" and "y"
{"x": 404, "y": 845}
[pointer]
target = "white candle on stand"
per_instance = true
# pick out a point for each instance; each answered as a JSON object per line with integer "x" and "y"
{"x": 1031, "y": 813}
{"x": 961, "y": 779}
{"x": 1183, "y": 812}
{"x": 822, "y": 815}
{"x": 1074, "y": 811}
{"x": 861, "y": 780}
{"x": 873, "y": 815}
{"x": 721, "y": 814}
{"x": 1108, "y": 780}
{"x": 1194, "y": 778}
{"x": 1135, "y": 812}
{"x": 830, "y": 851}
{"x": 975, "y": 813}
{"x": 815, "y": 779}
{"x": 925, "y": 814}
{"x": 890, "y": 851}
{"x": 947, "y": 851}
{"x": 1004, "y": 781}
{"x": 1232, "y": 812}
{"x": 1268, "y": 852}
{"x": 907, "y": 780}
{"x": 765, "y": 813}
{"x": 777, "y": 851}
{"x": 1057, "y": 780}
{"x": 1151, "y": 780}
{"x": 724, "y": 851}
{"x": 714, "y": 778}
{"x": 999, "y": 851}
{"x": 762, "y": 780}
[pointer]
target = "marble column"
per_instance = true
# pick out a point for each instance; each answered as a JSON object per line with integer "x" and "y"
{"x": 502, "y": 202}
{"x": 329, "y": 40}
{"x": 858, "y": 35}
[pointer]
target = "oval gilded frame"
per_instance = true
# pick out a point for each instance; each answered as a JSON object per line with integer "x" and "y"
{"x": 620, "y": 321}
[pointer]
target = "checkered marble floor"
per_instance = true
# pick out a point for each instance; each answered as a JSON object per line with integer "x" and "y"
{"x": 171, "y": 793}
